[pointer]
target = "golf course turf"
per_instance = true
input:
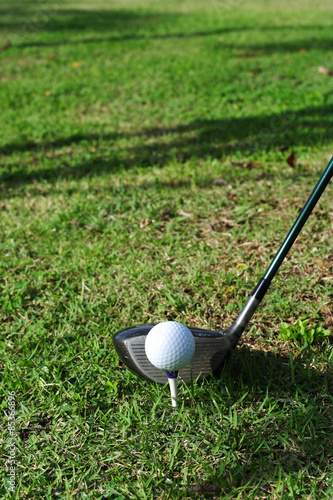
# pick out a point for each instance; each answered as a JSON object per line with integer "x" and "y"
{"x": 153, "y": 156}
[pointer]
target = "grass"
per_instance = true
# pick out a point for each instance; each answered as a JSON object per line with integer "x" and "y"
{"x": 143, "y": 177}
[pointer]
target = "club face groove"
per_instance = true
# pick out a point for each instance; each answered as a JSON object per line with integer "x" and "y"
{"x": 211, "y": 350}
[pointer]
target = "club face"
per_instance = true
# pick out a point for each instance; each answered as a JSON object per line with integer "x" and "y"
{"x": 212, "y": 349}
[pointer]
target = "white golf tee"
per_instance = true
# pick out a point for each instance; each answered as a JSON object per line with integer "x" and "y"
{"x": 173, "y": 390}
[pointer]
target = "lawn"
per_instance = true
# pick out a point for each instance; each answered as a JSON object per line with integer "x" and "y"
{"x": 144, "y": 177}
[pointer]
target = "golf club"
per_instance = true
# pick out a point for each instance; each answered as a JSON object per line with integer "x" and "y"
{"x": 213, "y": 348}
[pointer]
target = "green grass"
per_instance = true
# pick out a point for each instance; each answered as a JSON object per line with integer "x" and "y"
{"x": 143, "y": 177}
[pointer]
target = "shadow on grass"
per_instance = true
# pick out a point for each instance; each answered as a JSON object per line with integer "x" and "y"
{"x": 312, "y": 43}
{"x": 53, "y": 19}
{"x": 284, "y": 47}
{"x": 24, "y": 20}
{"x": 255, "y": 50}
{"x": 25, "y": 23}
{"x": 298, "y": 435}
{"x": 278, "y": 373}
{"x": 199, "y": 140}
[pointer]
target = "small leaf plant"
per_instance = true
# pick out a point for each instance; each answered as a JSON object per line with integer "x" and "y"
{"x": 300, "y": 333}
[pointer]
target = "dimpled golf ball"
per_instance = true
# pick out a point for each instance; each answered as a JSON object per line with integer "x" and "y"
{"x": 170, "y": 346}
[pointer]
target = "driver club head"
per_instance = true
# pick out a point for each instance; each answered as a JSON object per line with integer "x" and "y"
{"x": 212, "y": 349}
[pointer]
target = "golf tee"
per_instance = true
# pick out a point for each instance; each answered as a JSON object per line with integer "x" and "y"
{"x": 173, "y": 390}
{"x": 172, "y": 377}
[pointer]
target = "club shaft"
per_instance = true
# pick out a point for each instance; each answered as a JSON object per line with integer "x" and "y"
{"x": 263, "y": 284}
{"x": 300, "y": 221}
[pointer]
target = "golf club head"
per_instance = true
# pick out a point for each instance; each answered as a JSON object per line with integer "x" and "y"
{"x": 212, "y": 349}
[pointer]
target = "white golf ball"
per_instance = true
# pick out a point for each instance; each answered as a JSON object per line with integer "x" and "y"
{"x": 170, "y": 346}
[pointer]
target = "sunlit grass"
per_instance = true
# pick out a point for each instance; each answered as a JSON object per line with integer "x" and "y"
{"x": 143, "y": 177}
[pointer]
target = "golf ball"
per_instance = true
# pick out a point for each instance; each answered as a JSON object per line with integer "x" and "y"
{"x": 170, "y": 346}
